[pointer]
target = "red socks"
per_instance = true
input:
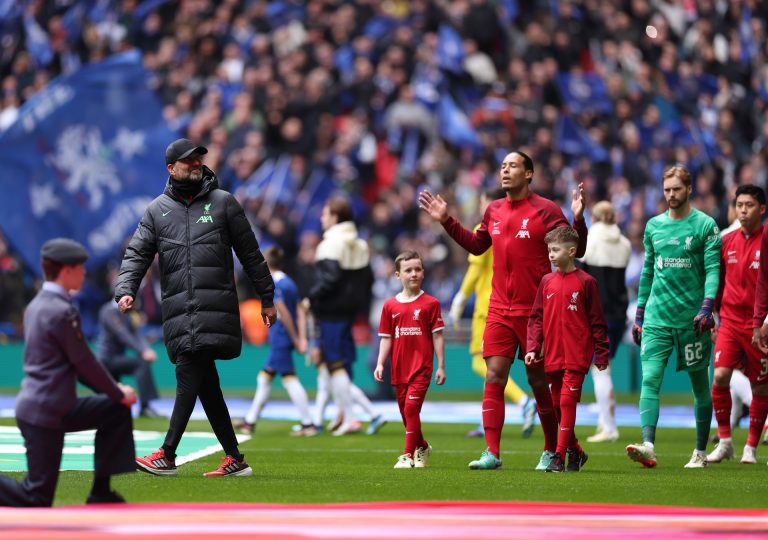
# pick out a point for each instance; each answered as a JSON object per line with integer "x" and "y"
{"x": 758, "y": 411}
{"x": 721, "y": 403}
{"x": 493, "y": 416}
{"x": 547, "y": 417}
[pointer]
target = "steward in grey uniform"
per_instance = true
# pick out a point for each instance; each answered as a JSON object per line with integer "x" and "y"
{"x": 193, "y": 227}
{"x": 55, "y": 356}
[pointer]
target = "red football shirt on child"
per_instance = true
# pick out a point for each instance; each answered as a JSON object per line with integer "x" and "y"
{"x": 411, "y": 325}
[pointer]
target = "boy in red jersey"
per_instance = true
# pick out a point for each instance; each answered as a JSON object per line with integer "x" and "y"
{"x": 411, "y": 328}
{"x": 514, "y": 227}
{"x": 568, "y": 311}
{"x": 739, "y": 268}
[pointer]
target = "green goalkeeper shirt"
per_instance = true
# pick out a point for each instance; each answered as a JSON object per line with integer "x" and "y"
{"x": 681, "y": 268}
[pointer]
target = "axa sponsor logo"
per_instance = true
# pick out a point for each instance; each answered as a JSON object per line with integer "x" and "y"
{"x": 523, "y": 232}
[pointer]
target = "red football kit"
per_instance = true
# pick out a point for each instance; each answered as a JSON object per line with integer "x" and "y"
{"x": 739, "y": 297}
{"x": 515, "y": 230}
{"x": 410, "y": 326}
{"x": 567, "y": 310}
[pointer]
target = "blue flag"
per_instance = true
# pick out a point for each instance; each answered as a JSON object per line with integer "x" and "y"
{"x": 83, "y": 160}
{"x": 450, "y": 49}
{"x": 572, "y": 139}
{"x": 38, "y": 42}
{"x": 454, "y": 124}
{"x": 584, "y": 92}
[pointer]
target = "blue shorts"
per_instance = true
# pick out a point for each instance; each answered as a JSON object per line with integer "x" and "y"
{"x": 336, "y": 343}
{"x": 280, "y": 360}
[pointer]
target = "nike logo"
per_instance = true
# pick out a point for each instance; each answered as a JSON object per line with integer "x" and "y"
{"x": 408, "y": 432}
{"x": 488, "y": 410}
{"x": 657, "y": 241}
{"x": 168, "y": 212}
{"x": 413, "y": 397}
{"x": 565, "y": 429}
{"x": 732, "y": 252}
{"x": 537, "y": 360}
{"x": 395, "y": 315}
{"x": 645, "y": 411}
{"x": 550, "y": 296}
{"x": 496, "y": 223}
{"x": 573, "y": 389}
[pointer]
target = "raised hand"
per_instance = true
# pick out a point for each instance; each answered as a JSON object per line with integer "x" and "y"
{"x": 577, "y": 202}
{"x": 434, "y": 205}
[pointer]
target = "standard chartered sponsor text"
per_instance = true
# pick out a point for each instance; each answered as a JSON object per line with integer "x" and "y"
{"x": 677, "y": 262}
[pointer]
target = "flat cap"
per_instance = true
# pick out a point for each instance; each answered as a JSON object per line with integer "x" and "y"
{"x": 64, "y": 251}
{"x": 182, "y": 148}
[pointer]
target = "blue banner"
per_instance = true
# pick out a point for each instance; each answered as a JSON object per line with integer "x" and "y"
{"x": 574, "y": 140}
{"x": 83, "y": 160}
{"x": 450, "y": 49}
{"x": 585, "y": 92}
{"x": 454, "y": 124}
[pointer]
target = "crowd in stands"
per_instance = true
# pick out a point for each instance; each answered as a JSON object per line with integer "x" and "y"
{"x": 379, "y": 98}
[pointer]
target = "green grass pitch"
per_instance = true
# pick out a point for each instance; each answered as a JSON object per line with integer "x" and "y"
{"x": 358, "y": 468}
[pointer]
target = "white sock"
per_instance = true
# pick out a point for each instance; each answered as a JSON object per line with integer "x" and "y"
{"x": 323, "y": 393}
{"x": 606, "y": 399}
{"x": 359, "y": 398}
{"x": 741, "y": 394}
{"x": 263, "y": 389}
{"x": 340, "y": 389}
{"x": 298, "y": 396}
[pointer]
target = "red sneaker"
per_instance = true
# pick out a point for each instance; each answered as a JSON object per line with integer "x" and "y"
{"x": 156, "y": 463}
{"x": 231, "y": 467}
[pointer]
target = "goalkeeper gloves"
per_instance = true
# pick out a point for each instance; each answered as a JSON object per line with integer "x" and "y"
{"x": 704, "y": 319}
{"x": 637, "y": 327}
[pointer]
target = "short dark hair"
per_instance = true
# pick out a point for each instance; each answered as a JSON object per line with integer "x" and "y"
{"x": 274, "y": 256}
{"x": 752, "y": 190}
{"x": 527, "y": 161}
{"x": 51, "y": 269}
{"x": 407, "y": 256}
{"x": 341, "y": 208}
{"x": 562, "y": 235}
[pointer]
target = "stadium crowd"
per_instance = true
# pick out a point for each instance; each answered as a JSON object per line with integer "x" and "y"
{"x": 381, "y": 98}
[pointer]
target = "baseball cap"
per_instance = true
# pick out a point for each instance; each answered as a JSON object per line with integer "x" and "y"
{"x": 182, "y": 148}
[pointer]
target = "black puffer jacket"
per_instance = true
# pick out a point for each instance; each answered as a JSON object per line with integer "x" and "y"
{"x": 194, "y": 240}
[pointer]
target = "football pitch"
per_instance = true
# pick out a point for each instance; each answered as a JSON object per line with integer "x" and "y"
{"x": 358, "y": 468}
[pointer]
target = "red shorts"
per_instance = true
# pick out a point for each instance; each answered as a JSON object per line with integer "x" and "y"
{"x": 503, "y": 333}
{"x": 731, "y": 348}
{"x": 565, "y": 381}
{"x": 413, "y": 393}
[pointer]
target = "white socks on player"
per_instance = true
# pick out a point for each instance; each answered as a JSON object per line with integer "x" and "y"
{"x": 359, "y": 398}
{"x": 323, "y": 393}
{"x": 340, "y": 389}
{"x": 298, "y": 396}
{"x": 606, "y": 399}
{"x": 263, "y": 389}
{"x": 741, "y": 395}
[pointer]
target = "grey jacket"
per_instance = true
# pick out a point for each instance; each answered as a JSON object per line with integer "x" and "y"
{"x": 194, "y": 240}
{"x": 55, "y": 356}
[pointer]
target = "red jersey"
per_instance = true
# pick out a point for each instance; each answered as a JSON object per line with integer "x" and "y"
{"x": 411, "y": 325}
{"x": 761, "y": 291}
{"x": 567, "y": 310}
{"x": 739, "y": 268}
{"x": 516, "y": 231}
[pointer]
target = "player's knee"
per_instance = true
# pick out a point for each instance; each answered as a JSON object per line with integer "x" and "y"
{"x": 269, "y": 372}
{"x": 722, "y": 377}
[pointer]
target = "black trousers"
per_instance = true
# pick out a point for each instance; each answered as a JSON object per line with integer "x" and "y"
{"x": 114, "y": 451}
{"x": 140, "y": 369}
{"x": 197, "y": 377}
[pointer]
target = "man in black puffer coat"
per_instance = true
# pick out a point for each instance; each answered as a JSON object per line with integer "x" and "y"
{"x": 193, "y": 227}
